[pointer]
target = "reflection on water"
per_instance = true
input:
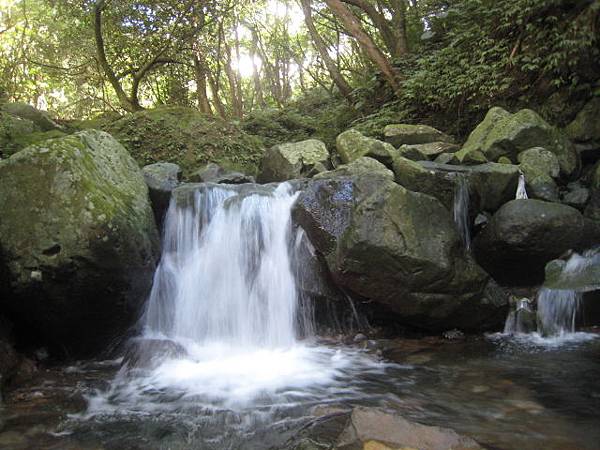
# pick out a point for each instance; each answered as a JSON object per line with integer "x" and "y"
{"x": 521, "y": 392}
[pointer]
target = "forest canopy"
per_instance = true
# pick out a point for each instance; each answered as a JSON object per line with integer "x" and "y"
{"x": 231, "y": 57}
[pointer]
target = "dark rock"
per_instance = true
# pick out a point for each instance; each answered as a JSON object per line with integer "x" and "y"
{"x": 399, "y": 249}
{"x": 523, "y": 236}
{"x": 143, "y": 353}
{"x": 161, "y": 179}
{"x": 78, "y": 241}
{"x": 577, "y": 196}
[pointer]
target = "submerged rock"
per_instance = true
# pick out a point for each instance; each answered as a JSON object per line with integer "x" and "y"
{"x": 400, "y": 134}
{"x": 77, "y": 241}
{"x": 523, "y": 236}
{"x": 399, "y": 249}
{"x": 294, "y": 160}
{"x": 504, "y": 134}
{"x": 161, "y": 179}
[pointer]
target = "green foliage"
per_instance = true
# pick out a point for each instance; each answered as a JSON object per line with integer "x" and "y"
{"x": 505, "y": 49}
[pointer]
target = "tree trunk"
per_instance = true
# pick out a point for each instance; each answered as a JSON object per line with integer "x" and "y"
{"x": 321, "y": 47}
{"x": 352, "y": 25}
{"x": 201, "y": 94}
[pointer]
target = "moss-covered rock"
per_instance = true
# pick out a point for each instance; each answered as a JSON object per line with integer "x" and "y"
{"x": 585, "y": 128}
{"x": 540, "y": 167}
{"x": 399, "y": 249}
{"x": 188, "y": 138}
{"x": 361, "y": 166}
{"x": 504, "y": 134}
{"x": 294, "y": 160}
{"x": 351, "y": 145}
{"x": 400, "y": 134}
{"x": 77, "y": 241}
{"x": 13, "y": 128}
{"x": 40, "y": 119}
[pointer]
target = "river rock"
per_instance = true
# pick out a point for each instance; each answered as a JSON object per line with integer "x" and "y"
{"x": 40, "y": 119}
{"x": 161, "y": 179}
{"x": 523, "y": 236}
{"x": 374, "y": 429}
{"x": 504, "y": 134}
{"x": 77, "y": 241}
{"x": 294, "y": 160}
{"x": 359, "y": 167}
{"x": 540, "y": 168}
{"x": 351, "y": 145}
{"x": 584, "y": 130}
{"x": 399, "y": 249}
{"x": 400, "y": 134}
{"x": 432, "y": 149}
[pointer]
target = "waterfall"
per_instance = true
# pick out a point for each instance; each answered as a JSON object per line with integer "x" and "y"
{"x": 521, "y": 318}
{"x": 557, "y": 311}
{"x": 521, "y": 191}
{"x": 226, "y": 273}
{"x": 461, "y": 209}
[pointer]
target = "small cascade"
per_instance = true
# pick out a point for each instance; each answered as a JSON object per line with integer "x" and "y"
{"x": 557, "y": 311}
{"x": 521, "y": 318}
{"x": 521, "y": 191}
{"x": 461, "y": 209}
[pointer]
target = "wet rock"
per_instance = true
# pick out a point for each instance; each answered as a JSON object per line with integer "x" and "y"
{"x": 577, "y": 196}
{"x": 504, "y": 134}
{"x": 373, "y": 428}
{"x": 400, "y": 134}
{"x": 540, "y": 168}
{"x": 375, "y": 237}
{"x": 294, "y": 160}
{"x": 445, "y": 158}
{"x": 523, "y": 236}
{"x": 78, "y": 241}
{"x": 351, "y": 145}
{"x": 161, "y": 179}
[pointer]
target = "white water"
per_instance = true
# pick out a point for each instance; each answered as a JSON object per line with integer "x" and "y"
{"x": 461, "y": 210}
{"x": 225, "y": 298}
{"x": 521, "y": 191}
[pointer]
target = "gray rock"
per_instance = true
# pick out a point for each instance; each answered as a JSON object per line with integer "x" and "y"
{"x": 294, "y": 160}
{"x": 577, "y": 196}
{"x": 523, "y": 236}
{"x": 400, "y": 134}
{"x": 78, "y": 240}
{"x": 351, "y": 145}
{"x": 161, "y": 179}
{"x": 213, "y": 173}
{"x": 433, "y": 149}
{"x": 361, "y": 166}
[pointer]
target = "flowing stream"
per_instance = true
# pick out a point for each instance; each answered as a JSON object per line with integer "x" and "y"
{"x": 227, "y": 358}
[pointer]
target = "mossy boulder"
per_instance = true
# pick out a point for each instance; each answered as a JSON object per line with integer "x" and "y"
{"x": 359, "y": 167}
{"x": 523, "y": 236}
{"x": 213, "y": 173}
{"x": 77, "y": 241}
{"x": 40, "y": 119}
{"x": 352, "y": 144}
{"x": 400, "y": 134}
{"x": 504, "y": 134}
{"x": 294, "y": 160}
{"x": 585, "y": 128}
{"x": 11, "y": 129}
{"x": 186, "y": 137}
{"x": 431, "y": 150}
{"x": 399, "y": 249}
{"x": 540, "y": 168}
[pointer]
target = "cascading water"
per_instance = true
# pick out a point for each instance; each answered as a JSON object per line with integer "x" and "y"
{"x": 521, "y": 190}
{"x": 557, "y": 311}
{"x": 224, "y": 323}
{"x": 461, "y": 209}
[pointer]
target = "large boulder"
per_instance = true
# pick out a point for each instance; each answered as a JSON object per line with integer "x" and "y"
{"x": 11, "y": 129}
{"x": 399, "y": 249}
{"x": 490, "y": 185}
{"x": 293, "y": 160}
{"x": 161, "y": 179}
{"x": 78, "y": 241}
{"x": 213, "y": 173}
{"x": 351, "y": 145}
{"x": 40, "y": 119}
{"x": 400, "y": 134}
{"x": 361, "y": 166}
{"x": 523, "y": 236}
{"x": 504, "y": 134}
